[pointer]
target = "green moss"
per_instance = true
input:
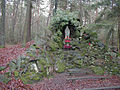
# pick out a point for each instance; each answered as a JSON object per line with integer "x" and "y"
{"x": 1, "y": 46}
{"x": 4, "y": 79}
{"x": 61, "y": 66}
{"x": 37, "y": 77}
{"x": 78, "y": 63}
{"x": 70, "y": 66}
{"x": 8, "y": 74}
{"x": 42, "y": 63}
{"x": 115, "y": 70}
{"x": 61, "y": 19}
{"x": 30, "y": 54}
{"x": 54, "y": 46}
{"x": 31, "y": 77}
{"x": 2, "y": 68}
{"x": 16, "y": 73}
{"x": 98, "y": 70}
{"x": 24, "y": 80}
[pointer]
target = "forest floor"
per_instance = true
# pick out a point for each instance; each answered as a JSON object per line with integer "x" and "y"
{"x": 80, "y": 82}
{"x": 60, "y": 81}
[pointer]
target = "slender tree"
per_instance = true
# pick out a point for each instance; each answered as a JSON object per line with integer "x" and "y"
{"x": 15, "y": 10}
{"x": 81, "y": 12}
{"x": 65, "y": 4}
{"x": 50, "y": 11}
{"x": 56, "y": 5}
{"x": 27, "y": 26}
{"x": 2, "y": 24}
{"x": 119, "y": 29}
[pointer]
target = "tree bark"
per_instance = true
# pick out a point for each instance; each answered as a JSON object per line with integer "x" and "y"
{"x": 65, "y": 6}
{"x": 80, "y": 12}
{"x": 27, "y": 26}
{"x": 96, "y": 13}
{"x": 112, "y": 41}
{"x": 112, "y": 3}
{"x": 119, "y": 32}
{"x": 2, "y": 25}
{"x": 50, "y": 12}
{"x": 15, "y": 10}
{"x": 56, "y": 5}
{"x": 21, "y": 26}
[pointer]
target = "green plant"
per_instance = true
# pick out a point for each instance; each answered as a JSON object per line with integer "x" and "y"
{"x": 62, "y": 19}
{"x": 16, "y": 73}
{"x": 2, "y": 68}
{"x": 98, "y": 70}
{"x": 53, "y": 46}
{"x": 4, "y": 79}
{"x": 60, "y": 66}
{"x": 78, "y": 63}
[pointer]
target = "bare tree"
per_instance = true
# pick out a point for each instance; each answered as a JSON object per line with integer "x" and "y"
{"x": 81, "y": 11}
{"x": 119, "y": 31}
{"x": 15, "y": 10}
{"x": 2, "y": 24}
{"x": 50, "y": 11}
{"x": 27, "y": 26}
{"x": 56, "y": 5}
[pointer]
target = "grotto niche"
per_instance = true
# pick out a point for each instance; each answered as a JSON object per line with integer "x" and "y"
{"x": 73, "y": 25}
{"x": 60, "y": 22}
{"x": 64, "y": 19}
{"x": 73, "y": 30}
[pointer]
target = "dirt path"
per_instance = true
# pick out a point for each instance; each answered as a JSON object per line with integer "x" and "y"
{"x": 61, "y": 82}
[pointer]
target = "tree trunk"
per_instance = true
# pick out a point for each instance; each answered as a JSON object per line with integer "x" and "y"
{"x": 72, "y": 6}
{"x": 2, "y": 25}
{"x": 21, "y": 26}
{"x": 81, "y": 12}
{"x": 27, "y": 26}
{"x": 15, "y": 10}
{"x": 48, "y": 19}
{"x": 50, "y": 12}
{"x": 85, "y": 20}
{"x": 112, "y": 39}
{"x": 96, "y": 15}
{"x": 96, "y": 11}
{"x": 65, "y": 6}
{"x": 119, "y": 32}
{"x": 112, "y": 3}
{"x": 56, "y": 5}
{"x": 38, "y": 23}
{"x": 90, "y": 13}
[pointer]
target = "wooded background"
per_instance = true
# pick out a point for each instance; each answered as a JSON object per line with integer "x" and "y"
{"x": 25, "y": 20}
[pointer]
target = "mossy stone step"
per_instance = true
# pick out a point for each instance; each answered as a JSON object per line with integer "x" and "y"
{"x": 75, "y": 70}
{"x": 87, "y": 77}
{"x": 78, "y": 71}
{"x": 104, "y": 88}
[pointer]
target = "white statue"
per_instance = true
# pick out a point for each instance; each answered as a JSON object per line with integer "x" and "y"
{"x": 67, "y": 32}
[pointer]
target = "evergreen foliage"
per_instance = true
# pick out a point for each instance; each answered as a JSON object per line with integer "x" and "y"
{"x": 63, "y": 19}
